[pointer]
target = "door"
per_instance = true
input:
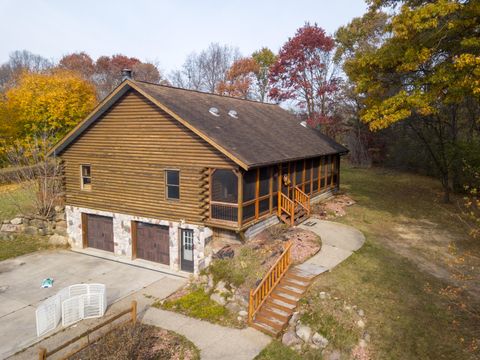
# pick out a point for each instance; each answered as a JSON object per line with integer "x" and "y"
{"x": 152, "y": 243}
{"x": 99, "y": 232}
{"x": 187, "y": 250}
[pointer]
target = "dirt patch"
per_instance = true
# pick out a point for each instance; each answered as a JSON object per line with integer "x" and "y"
{"x": 333, "y": 207}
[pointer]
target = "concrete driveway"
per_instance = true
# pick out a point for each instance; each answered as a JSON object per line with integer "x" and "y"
{"x": 20, "y": 290}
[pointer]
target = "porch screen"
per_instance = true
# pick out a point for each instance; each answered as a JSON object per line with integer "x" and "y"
{"x": 224, "y": 191}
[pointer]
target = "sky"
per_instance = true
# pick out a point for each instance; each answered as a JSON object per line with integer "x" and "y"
{"x": 164, "y": 32}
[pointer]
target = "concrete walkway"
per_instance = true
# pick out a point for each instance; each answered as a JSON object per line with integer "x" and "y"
{"x": 339, "y": 241}
{"x": 214, "y": 341}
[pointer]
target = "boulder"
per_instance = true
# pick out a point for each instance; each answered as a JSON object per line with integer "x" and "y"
{"x": 290, "y": 339}
{"x": 233, "y": 307}
{"x": 16, "y": 221}
{"x": 303, "y": 332}
{"x": 38, "y": 223}
{"x": 243, "y": 313}
{"x": 30, "y": 230}
{"x": 293, "y": 320}
{"x": 9, "y": 228}
{"x": 42, "y": 232}
{"x": 225, "y": 252}
{"x": 319, "y": 340}
{"x": 58, "y": 240}
{"x": 218, "y": 299}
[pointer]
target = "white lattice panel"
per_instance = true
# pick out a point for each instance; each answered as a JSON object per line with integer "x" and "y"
{"x": 72, "y": 310}
{"x": 48, "y": 315}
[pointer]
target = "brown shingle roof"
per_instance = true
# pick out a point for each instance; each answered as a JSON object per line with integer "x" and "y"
{"x": 262, "y": 134}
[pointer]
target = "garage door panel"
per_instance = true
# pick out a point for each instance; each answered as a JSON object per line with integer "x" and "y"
{"x": 152, "y": 243}
{"x": 100, "y": 232}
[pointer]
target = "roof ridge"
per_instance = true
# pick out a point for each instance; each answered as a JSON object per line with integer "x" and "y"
{"x": 204, "y": 92}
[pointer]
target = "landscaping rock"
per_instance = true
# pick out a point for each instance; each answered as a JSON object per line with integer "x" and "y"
{"x": 210, "y": 283}
{"x": 58, "y": 240}
{"x": 233, "y": 307}
{"x": 58, "y": 208}
{"x": 39, "y": 224}
{"x": 323, "y": 295}
{"x": 361, "y": 324}
{"x": 225, "y": 252}
{"x": 16, "y": 221}
{"x": 221, "y": 287}
{"x": 243, "y": 313}
{"x": 362, "y": 343}
{"x": 366, "y": 336}
{"x": 303, "y": 332}
{"x": 31, "y": 230}
{"x": 360, "y": 312}
{"x": 290, "y": 339}
{"x": 218, "y": 299}
{"x": 9, "y": 228}
{"x": 319, "y": 340}
{"x": 334, "y": 355}
{"x": 294, "y": 318}
{"x": 42, "y": 232}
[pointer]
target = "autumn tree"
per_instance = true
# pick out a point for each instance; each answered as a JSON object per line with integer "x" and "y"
{"x": 240, "y": 79}
{"x": 46, "y": 103}
{"x": 80, "y": 62}
{"x": 304, "y": 72}
{"x": 423, "y": 75}
{"x": 264, "y": 58}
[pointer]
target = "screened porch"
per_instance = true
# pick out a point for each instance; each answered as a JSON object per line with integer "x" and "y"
{"x": 240, "y": 198}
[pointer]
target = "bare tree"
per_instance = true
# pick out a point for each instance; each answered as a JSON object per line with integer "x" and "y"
{"x": 35, "y": 172}
{"x": 205, "y": 70}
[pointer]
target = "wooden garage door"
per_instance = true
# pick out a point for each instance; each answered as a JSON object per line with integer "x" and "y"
{"x": 152, "y": 242}
{"x": 99, "y": 232}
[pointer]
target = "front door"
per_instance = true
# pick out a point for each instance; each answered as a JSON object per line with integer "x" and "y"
{"x": 187, "y": 250}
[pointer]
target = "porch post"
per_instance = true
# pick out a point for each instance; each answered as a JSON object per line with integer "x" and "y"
{"x": 240, "y": 198}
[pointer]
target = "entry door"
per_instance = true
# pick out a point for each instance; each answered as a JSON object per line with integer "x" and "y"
{"x": 187, "y": 250}
{"x": 99, "y": 232}
{"x": 152, "y": 243}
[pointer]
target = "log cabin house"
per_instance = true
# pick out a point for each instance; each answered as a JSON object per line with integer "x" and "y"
{"x": 154, "y": 172}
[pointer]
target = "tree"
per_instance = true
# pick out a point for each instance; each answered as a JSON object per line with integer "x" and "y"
{"x": 304, "y": 72}
{"x": 239, "y": 79}
{"x": 204, "y": 71}
{"x": 19, "y": 61}
{"x": 108, "y": 72}
{"x": 264, "y": 58}
{"x": 47, "y": 103}
{"x": 146, "y": 72}
{"x": 418, "y": 75}
{"x": 80, "y": 62}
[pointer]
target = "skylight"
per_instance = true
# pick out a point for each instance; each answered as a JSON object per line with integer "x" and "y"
{"x": 214, "y": 111}
{"x": 233, "y": 114}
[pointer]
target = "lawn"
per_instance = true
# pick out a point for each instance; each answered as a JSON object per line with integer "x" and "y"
{"x": 405, "y": 277}
{"x": 14, "y": 199}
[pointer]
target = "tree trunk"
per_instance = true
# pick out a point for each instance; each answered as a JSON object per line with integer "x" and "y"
{"x": 446, "y": 188}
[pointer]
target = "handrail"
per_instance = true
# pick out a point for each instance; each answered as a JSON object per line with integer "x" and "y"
{"x": 302, "y": 199}
{"x": 268, "y": 283}
{"x": 286, "y": 204}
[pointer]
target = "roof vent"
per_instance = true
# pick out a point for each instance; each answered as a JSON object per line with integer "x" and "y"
{"x": 303, "y": 123}
{"x": 214, "y": 111}
{"x": 233, "y": 114}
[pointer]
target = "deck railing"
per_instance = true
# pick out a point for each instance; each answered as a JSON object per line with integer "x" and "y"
{"x": 224, "y": 211}
{"x": 286, "y": 205}
{"x": 268, "y": 283}
{"x": 302, "y": 199}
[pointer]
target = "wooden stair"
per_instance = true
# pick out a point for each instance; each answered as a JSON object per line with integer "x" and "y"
{"x": 273, "y": 316}
{"x": 293, "y": 210}
{"x": 300, "y": 216}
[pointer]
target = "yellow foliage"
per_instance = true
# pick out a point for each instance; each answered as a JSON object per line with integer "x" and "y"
{"x": 47, "y": 103}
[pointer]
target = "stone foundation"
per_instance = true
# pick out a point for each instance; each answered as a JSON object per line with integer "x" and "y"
{"x": 122, "y": 235}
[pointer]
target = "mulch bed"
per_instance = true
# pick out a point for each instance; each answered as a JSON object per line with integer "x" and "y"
{"x": 140, "y": 342}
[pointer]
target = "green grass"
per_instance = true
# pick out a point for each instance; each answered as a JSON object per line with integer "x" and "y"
{"x": 277, "y": 351}
{"x": 21, "y": 245}
{"x": 14, "y": 200}
{"x": 407, "y": 315}
{"x": 198, "y": 304}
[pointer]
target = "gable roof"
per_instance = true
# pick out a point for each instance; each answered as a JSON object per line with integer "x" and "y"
{"x": 262, "y": 134}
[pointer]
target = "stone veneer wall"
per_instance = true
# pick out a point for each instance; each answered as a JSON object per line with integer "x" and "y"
{"x": 122, "y": 236}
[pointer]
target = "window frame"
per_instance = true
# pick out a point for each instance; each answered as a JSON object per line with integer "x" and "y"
{"x": 83, "y": 186}
{"x": 167, "y": 185}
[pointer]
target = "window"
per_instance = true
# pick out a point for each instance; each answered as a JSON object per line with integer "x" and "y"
{"x": 172, "y": 184}
{"x": 86, "y": 177}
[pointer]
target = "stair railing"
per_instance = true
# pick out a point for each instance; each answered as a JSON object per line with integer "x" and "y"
{"x": 269, "y": 282}
{"x": 286, "y": 205}
{"x": 302, "y": 199}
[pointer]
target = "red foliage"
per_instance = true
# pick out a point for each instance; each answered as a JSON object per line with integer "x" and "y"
{"x": 303, "y": 72}
{"x": 239, "y": 78}
{"x": 80, "y": 62}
